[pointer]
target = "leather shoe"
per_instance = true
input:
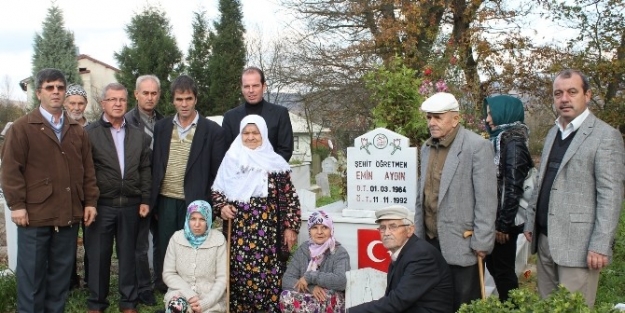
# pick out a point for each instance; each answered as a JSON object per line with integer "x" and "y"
{"x": 147, "y": 297}
{"x": 162, "y": 288}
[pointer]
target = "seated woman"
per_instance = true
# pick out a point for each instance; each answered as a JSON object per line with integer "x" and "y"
{"x": 195, "y": 264}
{"x": 315, "y": 280}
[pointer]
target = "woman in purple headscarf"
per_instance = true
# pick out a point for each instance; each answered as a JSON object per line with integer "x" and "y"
{"x": 315, "y": 280}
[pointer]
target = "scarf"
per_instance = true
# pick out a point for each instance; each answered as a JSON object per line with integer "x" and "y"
{"x": 202, "y": 207}
{"x": 317, "y": 252}
{"x": 507, "y": 113}
{"x": 244, "y": 172}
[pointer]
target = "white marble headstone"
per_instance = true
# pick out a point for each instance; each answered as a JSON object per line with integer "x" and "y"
{"x": 381, "y": 171}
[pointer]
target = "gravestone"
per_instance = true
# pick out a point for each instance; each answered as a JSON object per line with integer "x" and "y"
{"x": 329, "y": 165}
{"x": 381, "y": 171}
{"x": 11, "y": 233}
{"x": 324, "y": 183}
{"x": 364, "y": 285}
{"x": 307, "y": 200}
{"x": 300, "y": 175}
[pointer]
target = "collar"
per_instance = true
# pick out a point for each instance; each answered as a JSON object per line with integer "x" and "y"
{"x": 398, "y": 251}
{"x": 445, "y": 141}
{"x": 107, "y": 123}
{"x": 176, "y": 121}
{"x": 575, "y": 123}
{"x": 150, "y": 118}
{"x": 48, "y": 116}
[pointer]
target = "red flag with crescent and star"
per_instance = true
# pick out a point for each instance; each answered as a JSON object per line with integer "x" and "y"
{"x": 371, "y": 251}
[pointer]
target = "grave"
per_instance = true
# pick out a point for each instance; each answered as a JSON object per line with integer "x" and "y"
{"x": 324, "y": 183}
{"x": 381, "y": 171}
{"x": 329, "y": 165}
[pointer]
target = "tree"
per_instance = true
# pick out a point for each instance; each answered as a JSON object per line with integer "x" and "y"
{"x": 55, "y": 48}
{"x": 597, "y": 48}
{"x": 152, "y": 50}
{"x": 198, "y": 60}
{"x": 10, "y": 110}
{"x": 228, "y": 57}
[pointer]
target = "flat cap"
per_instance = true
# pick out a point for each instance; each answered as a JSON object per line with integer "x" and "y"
{"x": 393, "y": 212}
{"x": 440, "y": 102}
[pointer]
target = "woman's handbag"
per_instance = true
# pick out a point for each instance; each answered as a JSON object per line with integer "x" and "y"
{"x": 528, "y": 189}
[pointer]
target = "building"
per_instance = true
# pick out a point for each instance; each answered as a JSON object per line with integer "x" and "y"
{"x": 301, "y": 136}
{"x": 95, "y": 74}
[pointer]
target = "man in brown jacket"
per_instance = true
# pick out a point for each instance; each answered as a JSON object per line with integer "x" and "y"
{"x": 49, "y": 184}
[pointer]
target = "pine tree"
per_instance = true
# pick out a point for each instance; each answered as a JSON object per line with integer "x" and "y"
{"x": 152, "y": 50}
{"x": 197, "y": 61}
{"x": 228, "y": 58}
{"x": 55, "y": 48}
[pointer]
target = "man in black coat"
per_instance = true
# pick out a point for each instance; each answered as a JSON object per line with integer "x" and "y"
{"x": 277, "y": 117}
{"x": 144, "y": 116}
{"x": 188, "y": 149}
{"x": 419, "y": 279}
{"x": 121, "y": 156}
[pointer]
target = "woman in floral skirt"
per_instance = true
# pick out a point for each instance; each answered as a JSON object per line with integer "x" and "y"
{"x": 253, "y": 188}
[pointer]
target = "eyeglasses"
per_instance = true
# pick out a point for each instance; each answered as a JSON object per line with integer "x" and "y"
{"x": 392, "y": 227}
{"x": 121, "y": 100}
{"x": 50, "y": 88}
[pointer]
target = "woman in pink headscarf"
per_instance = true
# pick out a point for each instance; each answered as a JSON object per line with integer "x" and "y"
{"x": 315, "y": 280}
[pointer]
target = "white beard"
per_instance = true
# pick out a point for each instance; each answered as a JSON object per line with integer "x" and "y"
{"x": 76, "y": 117}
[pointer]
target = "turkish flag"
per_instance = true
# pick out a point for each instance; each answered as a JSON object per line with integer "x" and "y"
{"x": 371, "y": 251}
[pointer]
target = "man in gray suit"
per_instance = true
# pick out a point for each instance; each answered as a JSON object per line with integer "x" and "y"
{"x": 457, "y": 195}
{"x": 576, "y": 205}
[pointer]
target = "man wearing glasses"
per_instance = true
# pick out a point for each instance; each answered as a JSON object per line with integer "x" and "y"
{"x": 121, "y": 154}
{"x": 418, "y": 278}
{"x": 49, "y": 184}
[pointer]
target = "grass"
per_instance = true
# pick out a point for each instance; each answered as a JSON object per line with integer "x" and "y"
{"x": 335, "y": 191}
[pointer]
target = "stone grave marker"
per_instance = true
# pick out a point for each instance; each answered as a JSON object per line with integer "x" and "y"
{"x": 381, "y": 171}
{"x": 324, "y": 183}
{"x": 329, "y": 165}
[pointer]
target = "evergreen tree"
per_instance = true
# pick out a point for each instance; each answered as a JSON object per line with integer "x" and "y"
{"x": 55, "y": 48}
{"x": 228, "y": 58}
{"x": 197, "y": 61}
{"x": 152, "y": 50}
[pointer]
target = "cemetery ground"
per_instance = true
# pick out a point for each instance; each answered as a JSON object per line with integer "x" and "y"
{"x": 611, "y": 290}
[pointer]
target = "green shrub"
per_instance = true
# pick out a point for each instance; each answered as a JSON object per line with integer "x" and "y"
{"x": 8, "y": 290}
{"x": 561, "y": 301}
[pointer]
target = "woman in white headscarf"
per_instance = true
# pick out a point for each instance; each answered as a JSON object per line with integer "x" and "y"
{"x": 253, "y": 188}
{"x": 315, "y": 279}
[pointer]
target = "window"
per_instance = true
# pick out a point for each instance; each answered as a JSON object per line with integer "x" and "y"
{"x": 296, "y": 142}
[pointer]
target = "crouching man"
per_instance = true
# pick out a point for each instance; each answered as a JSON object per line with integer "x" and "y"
{"x": 419, "y": 279}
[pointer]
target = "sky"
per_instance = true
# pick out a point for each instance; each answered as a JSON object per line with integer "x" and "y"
{"x": 98, "y": 27}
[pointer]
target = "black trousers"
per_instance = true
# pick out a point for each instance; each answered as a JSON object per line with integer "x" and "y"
{"x": 501, "y": 265}
{"x": 144, "y": 279}
{"x": 45, "y": 256}
{"x": 171, "y": 216}
{"x": 119, "y": 224}
{"x": 466, "y": 281}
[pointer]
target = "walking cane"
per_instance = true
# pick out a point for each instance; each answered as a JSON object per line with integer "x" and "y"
{"x": 228, "y": 267}
{"x": 480, "y": 266}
